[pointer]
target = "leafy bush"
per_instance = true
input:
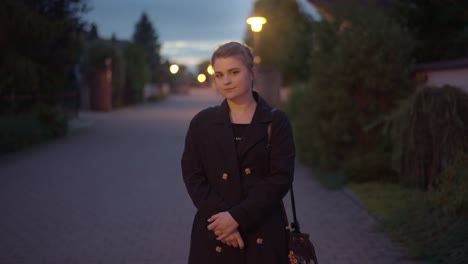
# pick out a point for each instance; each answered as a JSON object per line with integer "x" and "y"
{"x": 449, "y": 195}
{"x": 370, "y": 166}
{"x": 360, "y": 69}
{"x": 428, "y": 130}
{"x": 23, "y": 130}
{"x": 433, "y": 224}
{"x": 138, "y": 73}
{"x": 412, "y": 219}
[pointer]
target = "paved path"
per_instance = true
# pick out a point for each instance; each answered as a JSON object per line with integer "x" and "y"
{"x": 112, "y": 192}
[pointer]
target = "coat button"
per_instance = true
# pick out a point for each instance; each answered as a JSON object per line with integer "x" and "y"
{"x": 219, "y": 249}
{"x": 247, "y": 171}
{"x": 225, "y": 176}
{"x": 259, "y": 241}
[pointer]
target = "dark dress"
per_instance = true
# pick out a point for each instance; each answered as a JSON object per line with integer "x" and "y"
{"x": 243, "y": 177}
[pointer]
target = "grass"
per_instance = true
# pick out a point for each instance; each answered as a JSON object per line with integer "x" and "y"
{"x": 384, "y": 199}
{"x": 335, "y": 180}
{"x": 408, "y": 216}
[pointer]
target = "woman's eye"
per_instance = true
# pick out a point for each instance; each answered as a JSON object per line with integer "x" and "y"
{"x": 235, "y": 72}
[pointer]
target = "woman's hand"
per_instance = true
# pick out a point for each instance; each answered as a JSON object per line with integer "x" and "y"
{"x": 223, "y": 225}
{"x": 234, "y": 240}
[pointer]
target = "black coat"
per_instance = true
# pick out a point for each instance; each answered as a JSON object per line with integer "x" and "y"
{"x": 250, "y": 189}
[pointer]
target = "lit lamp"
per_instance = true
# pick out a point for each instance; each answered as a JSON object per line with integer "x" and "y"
{"x": 201, "y": 77}
{"x": 210, "y": 70}
{"x": 174, "y": 68}
{"x": 256, "y": 24}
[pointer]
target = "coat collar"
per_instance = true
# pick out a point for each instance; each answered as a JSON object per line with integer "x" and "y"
{"x": 256, "y": 131}
{"x": 262, "y": 112}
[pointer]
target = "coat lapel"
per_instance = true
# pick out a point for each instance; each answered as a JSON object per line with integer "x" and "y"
{"x": 225, "y": 137}
{"x": 257, "y": 130}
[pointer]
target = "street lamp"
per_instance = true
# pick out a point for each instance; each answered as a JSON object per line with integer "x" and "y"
{"x": 174, "y": 68}
{"x": 256, "y": 23}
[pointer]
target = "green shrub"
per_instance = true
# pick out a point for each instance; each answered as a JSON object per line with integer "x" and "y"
{"x": 23, "y": 130}
{"x": 432, "y": 225}
{"x": 359, "y": 73}
{"x": 450, "y": 195}
{"x": 370, "y": 166}
{"x": 428, "y": 130}
{"x": 18, "y": 132}
{"x": 54, "y": 123}
{"x": 138, "y": 73}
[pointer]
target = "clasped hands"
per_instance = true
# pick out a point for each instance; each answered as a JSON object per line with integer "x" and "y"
{"x": 225, "y": 227}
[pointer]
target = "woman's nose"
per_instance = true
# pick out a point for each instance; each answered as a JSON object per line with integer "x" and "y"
{"x": 226, "y": 79}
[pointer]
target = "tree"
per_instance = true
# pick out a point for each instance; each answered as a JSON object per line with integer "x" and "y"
{"x": 285, "y": 41}
{"x": 359, "y": 73}
{"x": 439, "y": 26}
{"x": 42, "y": 49}
{"x": 145, "y": 35}
{"x": 93, "y": 32}
{"x": 137, "y": 73}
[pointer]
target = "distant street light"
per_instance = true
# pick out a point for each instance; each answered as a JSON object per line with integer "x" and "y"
{"x": 174, "y": 68}
{"x": 210, "y": 70}
{"x": 201, "y": 77}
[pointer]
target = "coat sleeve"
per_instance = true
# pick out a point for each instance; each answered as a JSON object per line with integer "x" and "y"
{"x": 203, "y": 196}
{"x": 268, "y": 193}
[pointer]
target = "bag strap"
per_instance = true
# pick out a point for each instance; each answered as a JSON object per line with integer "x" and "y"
{"x": 295, "y": 224}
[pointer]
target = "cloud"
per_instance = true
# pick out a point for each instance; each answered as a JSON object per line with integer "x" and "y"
{"x": 182, "y": 51}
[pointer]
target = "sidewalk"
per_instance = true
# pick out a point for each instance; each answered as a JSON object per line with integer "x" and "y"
{"x": 341, "y": 229}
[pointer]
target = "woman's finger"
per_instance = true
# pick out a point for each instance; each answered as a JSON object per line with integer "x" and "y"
{"x": 240, "y": 242}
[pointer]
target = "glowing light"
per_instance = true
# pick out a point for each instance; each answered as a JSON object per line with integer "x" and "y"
{"x": 257, "y": 59}
{"x": 210, "y": 70}
{"x": 201, "y": 77}
{"x": 256, "y": 23}
{"x": 174, "y": 68}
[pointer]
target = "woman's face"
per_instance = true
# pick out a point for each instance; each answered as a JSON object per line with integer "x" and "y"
{"x": 232, "y": 78}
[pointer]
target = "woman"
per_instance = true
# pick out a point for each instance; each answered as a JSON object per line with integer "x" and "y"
{"x": 235, "y": 173}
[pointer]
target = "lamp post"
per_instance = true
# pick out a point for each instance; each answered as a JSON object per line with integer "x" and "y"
{"x": 256, "y": 24}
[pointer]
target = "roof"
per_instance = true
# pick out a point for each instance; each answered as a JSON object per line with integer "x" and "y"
{"x": 443, "y": 65}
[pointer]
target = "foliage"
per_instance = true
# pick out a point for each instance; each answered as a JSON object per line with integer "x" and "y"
{"x": 449, "y": 195}
{"x": 428, "y": 130}
{"x": 426, "y": 236}
{"x": 440, "y": 26}
{"x": 146, "y": 36}
{"x": 41, "y": 51}
{"x": 284, "y": 42}
{"x": 137, "y": 73}
{"x": 18, "y": 131}
{"x": 93, "y": 32}
{"x": 360, "y": 70}
{"x": 96, "y": 54}
{"x": 385, "y": 199}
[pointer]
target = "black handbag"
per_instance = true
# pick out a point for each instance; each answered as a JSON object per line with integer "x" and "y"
{"x": 301, "y": 249}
